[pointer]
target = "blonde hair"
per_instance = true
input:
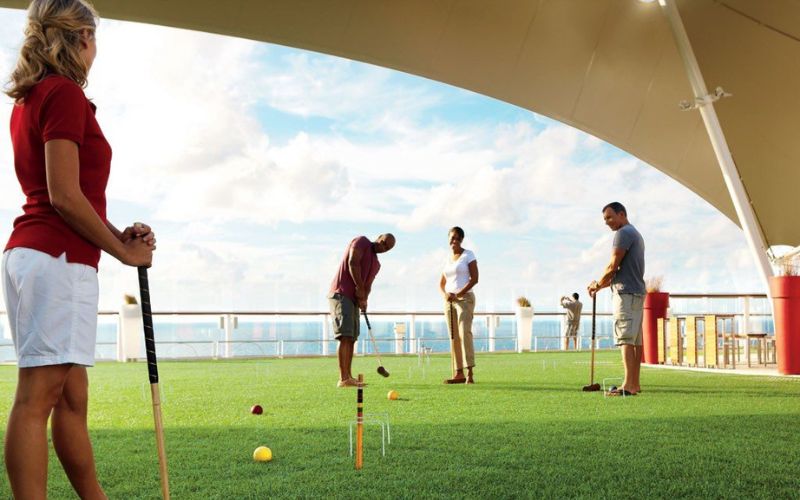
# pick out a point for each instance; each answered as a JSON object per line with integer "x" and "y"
{"x": 52, "y": 44}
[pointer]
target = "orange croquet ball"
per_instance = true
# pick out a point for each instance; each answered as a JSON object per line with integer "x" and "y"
{"x": 393, "y": 395}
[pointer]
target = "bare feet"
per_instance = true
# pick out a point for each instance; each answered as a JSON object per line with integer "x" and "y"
{"x": 350, "y": 382}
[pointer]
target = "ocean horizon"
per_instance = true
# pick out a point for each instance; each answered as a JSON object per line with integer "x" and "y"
{"x": 185, "y": 337}
{"x": 179, "y": 338}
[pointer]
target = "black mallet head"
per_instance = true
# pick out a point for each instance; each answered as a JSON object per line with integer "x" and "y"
{"x": 591, "y": 388}
{"x": 383, "y": 371}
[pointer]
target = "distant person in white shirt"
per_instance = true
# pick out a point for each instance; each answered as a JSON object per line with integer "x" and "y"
{"x": 573, "y": 307}
{"x": 459, "y": 275}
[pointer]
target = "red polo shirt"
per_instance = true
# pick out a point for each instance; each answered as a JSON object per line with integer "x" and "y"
{"x": 343, "y": 281}
{"x": 56, "y": 108}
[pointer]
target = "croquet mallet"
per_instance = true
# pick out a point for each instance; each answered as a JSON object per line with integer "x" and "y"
{"x": 592, "y": 387}
{"x": 152, "y": 369}
{"x": 453, "y": 318}
{"x": 381, "y": 370}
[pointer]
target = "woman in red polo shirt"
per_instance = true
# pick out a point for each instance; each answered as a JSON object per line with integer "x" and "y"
{"x": 49, "y": 268}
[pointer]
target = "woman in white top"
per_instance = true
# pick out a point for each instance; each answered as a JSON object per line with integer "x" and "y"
{"x": 459, "y": 275}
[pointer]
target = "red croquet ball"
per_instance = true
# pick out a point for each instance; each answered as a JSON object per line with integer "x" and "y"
{"x": 256, "y": 410}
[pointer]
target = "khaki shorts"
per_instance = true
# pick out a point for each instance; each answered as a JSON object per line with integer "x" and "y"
{"x": 345, "y": 316}
{"x": 628, "y": 311}
{"x": 572, "y": 329}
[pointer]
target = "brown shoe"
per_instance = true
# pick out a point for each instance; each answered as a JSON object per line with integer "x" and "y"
{"x": 456, "y": 380}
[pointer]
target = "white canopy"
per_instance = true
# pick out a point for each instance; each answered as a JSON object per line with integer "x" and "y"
{"x": 607, "y": 67}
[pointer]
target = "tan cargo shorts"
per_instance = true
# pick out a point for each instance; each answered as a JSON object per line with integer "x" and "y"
{"x": 628, "y": 311}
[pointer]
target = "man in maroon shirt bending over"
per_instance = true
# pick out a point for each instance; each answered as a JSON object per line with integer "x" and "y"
{"x": 349, "y": 292}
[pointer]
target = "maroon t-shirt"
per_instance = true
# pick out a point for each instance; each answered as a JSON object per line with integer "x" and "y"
{"x": 343, "y": 282}
{"x": 56, "y": 108}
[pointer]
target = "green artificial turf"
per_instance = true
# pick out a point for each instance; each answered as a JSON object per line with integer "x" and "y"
{"x": 524, "y": 430}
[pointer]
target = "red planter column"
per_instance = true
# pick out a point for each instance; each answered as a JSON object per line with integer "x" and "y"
{"x": 655, "y": 307}
{"x": 786, "y": 297}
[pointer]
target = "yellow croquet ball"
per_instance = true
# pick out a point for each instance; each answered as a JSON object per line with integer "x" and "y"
{"x": 262, "y": 454}
{"x": 393, "y": 395}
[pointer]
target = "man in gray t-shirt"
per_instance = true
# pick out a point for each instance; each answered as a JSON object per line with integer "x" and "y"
{"x": 625, "y": 275}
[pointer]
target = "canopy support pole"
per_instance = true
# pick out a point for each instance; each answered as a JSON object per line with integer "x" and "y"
{"x": 704, "y": 102}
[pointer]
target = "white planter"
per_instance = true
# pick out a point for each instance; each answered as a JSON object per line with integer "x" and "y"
{"x": 524, "y": 328}
{"x": 131, "y": 331}
{"x": 399, "y": 337}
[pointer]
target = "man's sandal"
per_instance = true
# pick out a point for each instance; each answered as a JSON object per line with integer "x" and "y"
{"x": 620, "y": 392}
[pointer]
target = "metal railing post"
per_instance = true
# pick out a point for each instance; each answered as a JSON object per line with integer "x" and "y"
{"x": 230, "y": 325}
{"x": 492, "y": 324}
{"x": 746, "y": 316}
{"x": 413, "y": 343}
{"x": 326, "y": 334}
{"x": 120, "y": 347}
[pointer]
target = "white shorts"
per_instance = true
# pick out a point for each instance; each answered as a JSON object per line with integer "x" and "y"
{"x": 52, "y": 308}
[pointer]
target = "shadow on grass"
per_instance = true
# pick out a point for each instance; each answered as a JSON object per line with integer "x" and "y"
{"x": 729, "y": 391}
{"x": 658, "y": 457}
{"x": 495, "y": 386}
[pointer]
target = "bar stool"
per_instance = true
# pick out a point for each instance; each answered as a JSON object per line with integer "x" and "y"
{"x": 771, "y": 356}
{"x": 731, "y": 348}
{"x": 761, "y": 346}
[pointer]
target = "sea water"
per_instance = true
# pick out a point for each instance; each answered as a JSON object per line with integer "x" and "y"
{"x": 179, "y": 337}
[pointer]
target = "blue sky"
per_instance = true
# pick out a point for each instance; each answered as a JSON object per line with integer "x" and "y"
{"x": 257, "y": 163}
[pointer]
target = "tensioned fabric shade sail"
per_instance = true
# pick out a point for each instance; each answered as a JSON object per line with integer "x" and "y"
{"x": 607, "y": 67}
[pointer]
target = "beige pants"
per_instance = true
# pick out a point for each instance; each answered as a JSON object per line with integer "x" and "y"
{"x": 459, "y": 324}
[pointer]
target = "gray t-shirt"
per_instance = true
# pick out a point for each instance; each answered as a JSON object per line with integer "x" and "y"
{"x": 630, "y": 275}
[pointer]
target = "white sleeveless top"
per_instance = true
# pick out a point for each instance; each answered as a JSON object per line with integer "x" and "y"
{"x": 456, "y": 272}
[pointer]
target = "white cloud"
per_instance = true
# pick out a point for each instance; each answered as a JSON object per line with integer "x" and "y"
{"x": 263, "y": 186}
{"x": 170, "y": 102}
{"x": 10, "y": 37}
{"x": 308, "y": 84}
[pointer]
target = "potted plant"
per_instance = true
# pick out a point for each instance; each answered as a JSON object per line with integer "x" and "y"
{"x": 524, "y": 314}
{"x": 656, "y": 303}
{"x": 785, "y": 291}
